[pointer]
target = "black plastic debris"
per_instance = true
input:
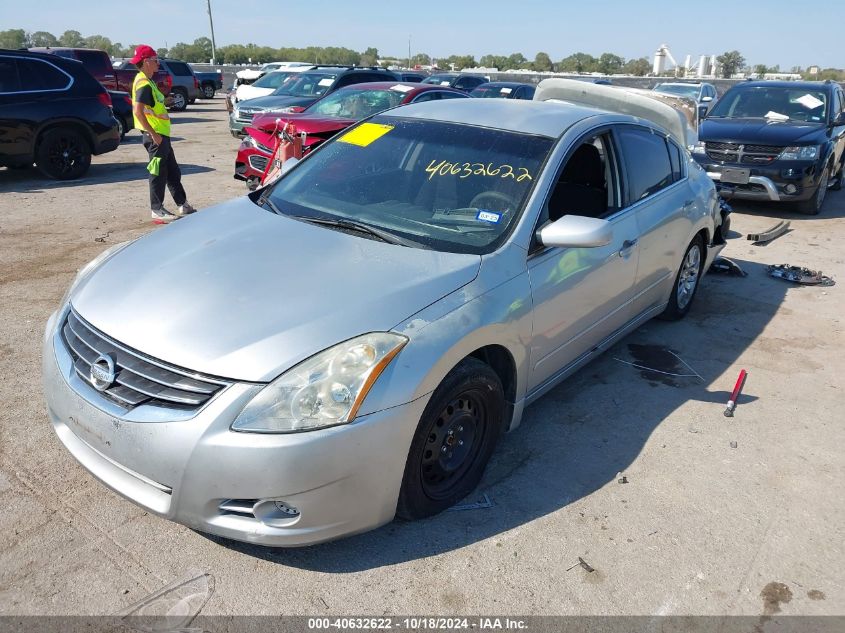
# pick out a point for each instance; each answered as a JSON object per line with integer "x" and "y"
{"x": 768, "y": 235}
{"x": 725, "y": 266}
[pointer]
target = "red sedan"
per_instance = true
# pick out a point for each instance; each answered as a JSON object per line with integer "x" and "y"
{"x": 326, "y": 117}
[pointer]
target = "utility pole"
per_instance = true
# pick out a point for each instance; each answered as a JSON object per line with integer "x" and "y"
{"x": 409, "y": 52}
{"x": 213, "y": 45}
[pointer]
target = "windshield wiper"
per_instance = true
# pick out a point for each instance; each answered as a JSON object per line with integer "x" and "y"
{"x": 352, "y": 225}
{"x": 264, "y": 199}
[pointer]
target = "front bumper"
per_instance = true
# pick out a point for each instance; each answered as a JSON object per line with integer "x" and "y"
{"x": 189, "y": 467}
{"x": 236, "y": 125}
{"x": 792, "y": 181}
{"x": 250, "y": 163}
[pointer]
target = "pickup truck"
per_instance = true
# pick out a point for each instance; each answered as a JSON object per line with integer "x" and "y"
{"x": 99, "y": 64}
{"x": 209, "y": 83}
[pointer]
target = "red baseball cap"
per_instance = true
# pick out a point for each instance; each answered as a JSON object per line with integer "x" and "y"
{"x": 143, "y": 52}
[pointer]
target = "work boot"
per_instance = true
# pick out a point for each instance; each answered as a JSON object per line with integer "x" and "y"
{"x": 184, "y": 209}
{"x": 162, "y": 216}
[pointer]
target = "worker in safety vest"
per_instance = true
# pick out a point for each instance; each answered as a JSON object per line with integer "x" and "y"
{"x": 150, "y": 114}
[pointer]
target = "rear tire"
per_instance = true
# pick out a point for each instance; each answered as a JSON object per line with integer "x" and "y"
{"x": 63, "y": 154}
{"x": 454, "y": 440}
{"x": 121, "y": 126}
{"x": 180, "y": 99}
{"x": 208, "y": 91}
{"x": 686, "y": 281}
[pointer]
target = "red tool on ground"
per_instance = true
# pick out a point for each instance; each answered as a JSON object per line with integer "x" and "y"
{"x": 740, "y": 381}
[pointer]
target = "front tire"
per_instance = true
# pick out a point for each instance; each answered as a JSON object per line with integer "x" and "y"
{"x": 63, "y": 154}
{"x": 686, "y": 281}
{"x": 453, "y": 441}
{"x": 813, "y": 206}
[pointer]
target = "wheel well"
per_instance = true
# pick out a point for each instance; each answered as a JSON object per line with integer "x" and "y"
{"x": 83, "y": 130}
{"x": 501, "y": 361}
{"x": 705, "y": 235}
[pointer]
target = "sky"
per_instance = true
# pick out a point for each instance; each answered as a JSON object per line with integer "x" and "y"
{"x": 782, "y": 32}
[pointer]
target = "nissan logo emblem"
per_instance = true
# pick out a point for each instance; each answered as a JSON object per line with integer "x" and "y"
{"x": 102, "y": 372}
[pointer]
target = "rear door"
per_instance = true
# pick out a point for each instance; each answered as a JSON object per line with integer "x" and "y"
{"x": 659, "y": 197}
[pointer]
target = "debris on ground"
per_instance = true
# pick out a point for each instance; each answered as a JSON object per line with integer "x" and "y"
{"x": 740, "y": 381}
{"x": 733, "y": 444}
{"x": 622, "y": 479}
{"x": 725, "y": 266}
{"x": 761, "y": 239}
{"x": 483, "y": 502}
{"x": 102, "y": 238}
{"x": 585, "y": 565}
{"x": 173, "y": 607}
{"x": 799, "y": 275}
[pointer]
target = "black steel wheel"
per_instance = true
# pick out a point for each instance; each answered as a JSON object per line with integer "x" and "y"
{"x": 686, "y": 281}
{"x": 454, "y": 440}
{"x": 63, "y": 154}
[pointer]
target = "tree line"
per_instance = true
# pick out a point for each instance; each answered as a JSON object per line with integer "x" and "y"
{"x": 200, "y": 51}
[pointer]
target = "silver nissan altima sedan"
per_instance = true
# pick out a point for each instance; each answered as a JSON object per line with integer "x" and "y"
{"x": 349, "y": 343}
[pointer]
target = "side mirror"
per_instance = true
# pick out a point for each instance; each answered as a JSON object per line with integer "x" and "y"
{"x": 576, "y": 231}
{"x": 702, "y": 112}
{"x": 839, "y": 119}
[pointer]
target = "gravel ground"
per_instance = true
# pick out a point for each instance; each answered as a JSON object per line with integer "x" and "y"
{"x": 702, "y": 526}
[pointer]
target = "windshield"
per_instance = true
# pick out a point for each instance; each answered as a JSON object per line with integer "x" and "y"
{"x": 273, "y": 80}
{"x": 774, "y": 103}
{"x": 307, "y": 85}
{"x": 358, "y": 104}
{"x": 680, "y": 90}
{"x": 446, "y": 186}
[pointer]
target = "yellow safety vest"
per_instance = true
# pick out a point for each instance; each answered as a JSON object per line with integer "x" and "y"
{"x": 157, "y": 115}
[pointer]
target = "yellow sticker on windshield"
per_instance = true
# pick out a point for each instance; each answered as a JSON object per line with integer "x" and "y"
{"x": 365, "y": 134}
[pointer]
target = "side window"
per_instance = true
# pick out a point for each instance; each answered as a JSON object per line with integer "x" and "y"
{"x": 346, "y": 80}
{"x": 38, "y": 75}
{"x": 450, "y": 95}
{"x": 431, "y": 95}
{"x": 9, "y": 75}
{"x": 646, "y": 160}
{"x": 586, "y": 185}
{"x": 180, "y": 69}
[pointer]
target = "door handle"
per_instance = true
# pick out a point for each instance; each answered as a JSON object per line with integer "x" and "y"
{"x": 626, "y": 246}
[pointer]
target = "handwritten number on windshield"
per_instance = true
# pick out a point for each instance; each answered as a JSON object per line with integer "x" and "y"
{"x": 465, "y": 170}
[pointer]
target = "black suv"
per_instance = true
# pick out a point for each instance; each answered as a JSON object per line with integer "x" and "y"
{"x": 776, "y": 140}
{"x": 460, "y": 81}
{"x": 52, "y": 113}
{"x": 302, "y": 90}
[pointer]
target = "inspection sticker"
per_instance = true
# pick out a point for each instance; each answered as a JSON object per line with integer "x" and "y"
{"x": 326, "y": 82}
{"x": 401, "y": 88}
{"x": 365, "y": 134}
{"x": 489, "y": 216}
{"x": 809, "y": 101}
{"x": 506, "y": 91}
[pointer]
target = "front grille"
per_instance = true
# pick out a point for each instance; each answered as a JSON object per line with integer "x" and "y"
{"x": 245, "y": 117}
{"x": 257, "y": 162}
{"x": 745, "y": 154}
{"x": 138, "y": 378}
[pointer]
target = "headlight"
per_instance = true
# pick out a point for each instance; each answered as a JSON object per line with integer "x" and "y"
{"x": 325, "y": 390}
{"x": 284, "y": 110}
{"x": 807, "y": 152}
{"x": 90, "y": 267}
{"x": 698, "y": 148}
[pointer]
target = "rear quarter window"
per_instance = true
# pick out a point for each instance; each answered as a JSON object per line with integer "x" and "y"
{"x": 9, "y": 76}
{"x": 38, "y": 75}
{"x": 180, "y": 69}
{"x": 96, "y": 62}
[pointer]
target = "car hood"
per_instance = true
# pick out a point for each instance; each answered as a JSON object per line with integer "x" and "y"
{"x": 238, "y": 292}
{"x": 761, "y": 131}
{"x": 275, "y": 102}
{"x": 308, "y": 123}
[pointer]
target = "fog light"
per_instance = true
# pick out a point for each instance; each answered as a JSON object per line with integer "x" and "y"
{"x": 276, "y": 513}
{"x": 790, "y": 189}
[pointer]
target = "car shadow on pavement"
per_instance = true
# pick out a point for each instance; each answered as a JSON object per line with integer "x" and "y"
{"x": 833, "y": 207}
{"x": 32, "y": 181}
{"x": 581, "y": 435}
